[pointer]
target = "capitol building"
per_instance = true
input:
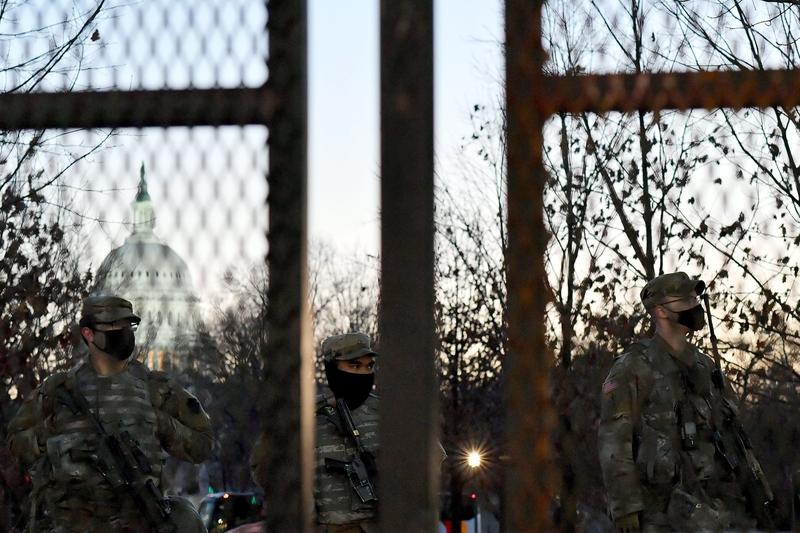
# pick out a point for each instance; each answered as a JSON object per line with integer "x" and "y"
{"x": 155, "y": 279}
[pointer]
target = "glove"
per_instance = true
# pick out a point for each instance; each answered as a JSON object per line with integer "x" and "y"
{"x": 628, "y": 523}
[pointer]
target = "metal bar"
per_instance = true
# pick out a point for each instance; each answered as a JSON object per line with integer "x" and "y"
{"x": 137, "y": 109}
{"x": 530, "y": 480}
{"x": 651, "y": 92}
{"x": 224, "y": 107}
{"x": 288, "y": 390}
{"x": 409, "y": 460}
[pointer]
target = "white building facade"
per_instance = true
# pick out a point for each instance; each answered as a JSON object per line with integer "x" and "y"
{"x": 156, "y": 280}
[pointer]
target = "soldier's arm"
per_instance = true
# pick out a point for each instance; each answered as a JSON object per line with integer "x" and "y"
{"x": 184, "y": 428}
{"x": 619, "y": 411}
{"x": 27, "y": 432}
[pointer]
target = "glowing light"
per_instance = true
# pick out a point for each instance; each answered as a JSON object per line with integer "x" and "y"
{"x": 474, "y": 459}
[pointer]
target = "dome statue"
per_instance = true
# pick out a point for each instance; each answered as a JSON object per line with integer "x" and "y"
{"x": 156, "y": 280}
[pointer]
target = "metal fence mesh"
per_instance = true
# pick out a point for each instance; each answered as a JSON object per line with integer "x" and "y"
{"x": 113, "y": 45}
{"x": 635, "y": 138}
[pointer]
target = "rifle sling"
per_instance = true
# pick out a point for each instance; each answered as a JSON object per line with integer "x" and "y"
{"x": 79, "y": 400}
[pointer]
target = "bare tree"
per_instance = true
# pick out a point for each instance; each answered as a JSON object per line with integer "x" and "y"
{"x": 41, "y": 284}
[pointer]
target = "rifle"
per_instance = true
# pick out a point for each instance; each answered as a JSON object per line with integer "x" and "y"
{"x": 123, "y": 464}
{"x": 734, "y": 446}
{"x": 360, "y": 469}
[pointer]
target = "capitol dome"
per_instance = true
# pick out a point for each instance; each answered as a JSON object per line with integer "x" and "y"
{"x": 156, "y": 280}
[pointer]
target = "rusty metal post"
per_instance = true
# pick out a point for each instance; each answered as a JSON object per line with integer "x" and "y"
{"x": 288, "y": 388}
{"x": 409, "y": 462}
{"x": 530, "y": 483}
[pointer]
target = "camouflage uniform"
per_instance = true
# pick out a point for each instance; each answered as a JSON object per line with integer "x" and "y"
{"x": 335, "y": 501}
{"x": 337, "y": 507}
{"x": 57, "y": 443}
{"x": 646, "y": 467}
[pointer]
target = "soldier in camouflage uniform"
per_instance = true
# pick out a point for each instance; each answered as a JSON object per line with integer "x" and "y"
{"x": 349, "y": 367}
{"x": 58, "y": 443}
{"x": 659, "y": 414}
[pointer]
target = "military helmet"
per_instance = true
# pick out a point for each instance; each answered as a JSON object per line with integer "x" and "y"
{"x": 106, "y": 308}
{"x": 672, "y": 284}
{"x": 346, "y": 347}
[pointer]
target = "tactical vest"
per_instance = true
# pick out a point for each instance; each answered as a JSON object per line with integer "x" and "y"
{"x": 676, "y": 412}
{"x": 74, "y": 491}
{"x": 335, "y": 500}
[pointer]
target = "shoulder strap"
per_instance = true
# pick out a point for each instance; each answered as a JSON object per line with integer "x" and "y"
{"x": 76, "y": 401}
{"x": 326, "y": 409}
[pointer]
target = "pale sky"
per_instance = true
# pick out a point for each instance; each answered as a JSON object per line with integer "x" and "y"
{"x": 344, "y": 105}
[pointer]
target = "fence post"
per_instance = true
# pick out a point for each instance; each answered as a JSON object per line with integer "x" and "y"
{"x": 409, "y": 462}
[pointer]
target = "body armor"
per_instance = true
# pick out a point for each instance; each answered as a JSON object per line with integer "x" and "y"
{"x": 76, "y": 488}
{"x": 335, "y": 500}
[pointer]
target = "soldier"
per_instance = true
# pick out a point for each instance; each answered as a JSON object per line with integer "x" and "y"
{"x": 665, "y": 465}
{"x": 69, "y": 432}
{"x": 339, "y": 507}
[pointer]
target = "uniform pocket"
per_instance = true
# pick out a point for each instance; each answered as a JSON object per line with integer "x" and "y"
{"x": 702, "y": 459}
{"x": 70, "y": 457}
{"x": 687, "y": 512}
{"x": 657, "y": 459}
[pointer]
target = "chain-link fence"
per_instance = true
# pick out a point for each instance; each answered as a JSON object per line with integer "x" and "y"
{"x": 140, "y": 142}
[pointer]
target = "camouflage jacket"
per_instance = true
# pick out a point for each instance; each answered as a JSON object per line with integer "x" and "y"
{"x": 335, "y": 502}
{"x": 57, "y": 444}
{"x": 648, "y": 389}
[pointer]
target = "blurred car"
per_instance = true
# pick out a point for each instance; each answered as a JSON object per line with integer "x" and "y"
{"x": 222, "y": 511}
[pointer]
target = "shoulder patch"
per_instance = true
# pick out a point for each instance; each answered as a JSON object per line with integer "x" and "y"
{"x": 138, "y": 369}
{"x": 610, "y": 385}
{"x": 627, "y": 367}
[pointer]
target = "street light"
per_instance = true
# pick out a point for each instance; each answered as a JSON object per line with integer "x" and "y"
{"x": 474, "y": 459}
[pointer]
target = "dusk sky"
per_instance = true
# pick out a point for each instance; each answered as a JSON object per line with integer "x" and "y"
{"x": 344, "y": 105}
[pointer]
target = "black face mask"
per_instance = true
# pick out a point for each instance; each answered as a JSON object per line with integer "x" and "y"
{"x": 352, "y": 388}
{"x": 118, "y": 343}
{"x": 693, "y": 318}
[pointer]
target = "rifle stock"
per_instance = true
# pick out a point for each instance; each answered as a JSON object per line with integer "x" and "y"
{"x": 356, "y": 472}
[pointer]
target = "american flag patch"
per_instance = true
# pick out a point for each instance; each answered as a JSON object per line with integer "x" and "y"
{"x": 609, "y": 386}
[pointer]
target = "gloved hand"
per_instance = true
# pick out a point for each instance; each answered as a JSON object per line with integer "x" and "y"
{"x": 628, "y": 523}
